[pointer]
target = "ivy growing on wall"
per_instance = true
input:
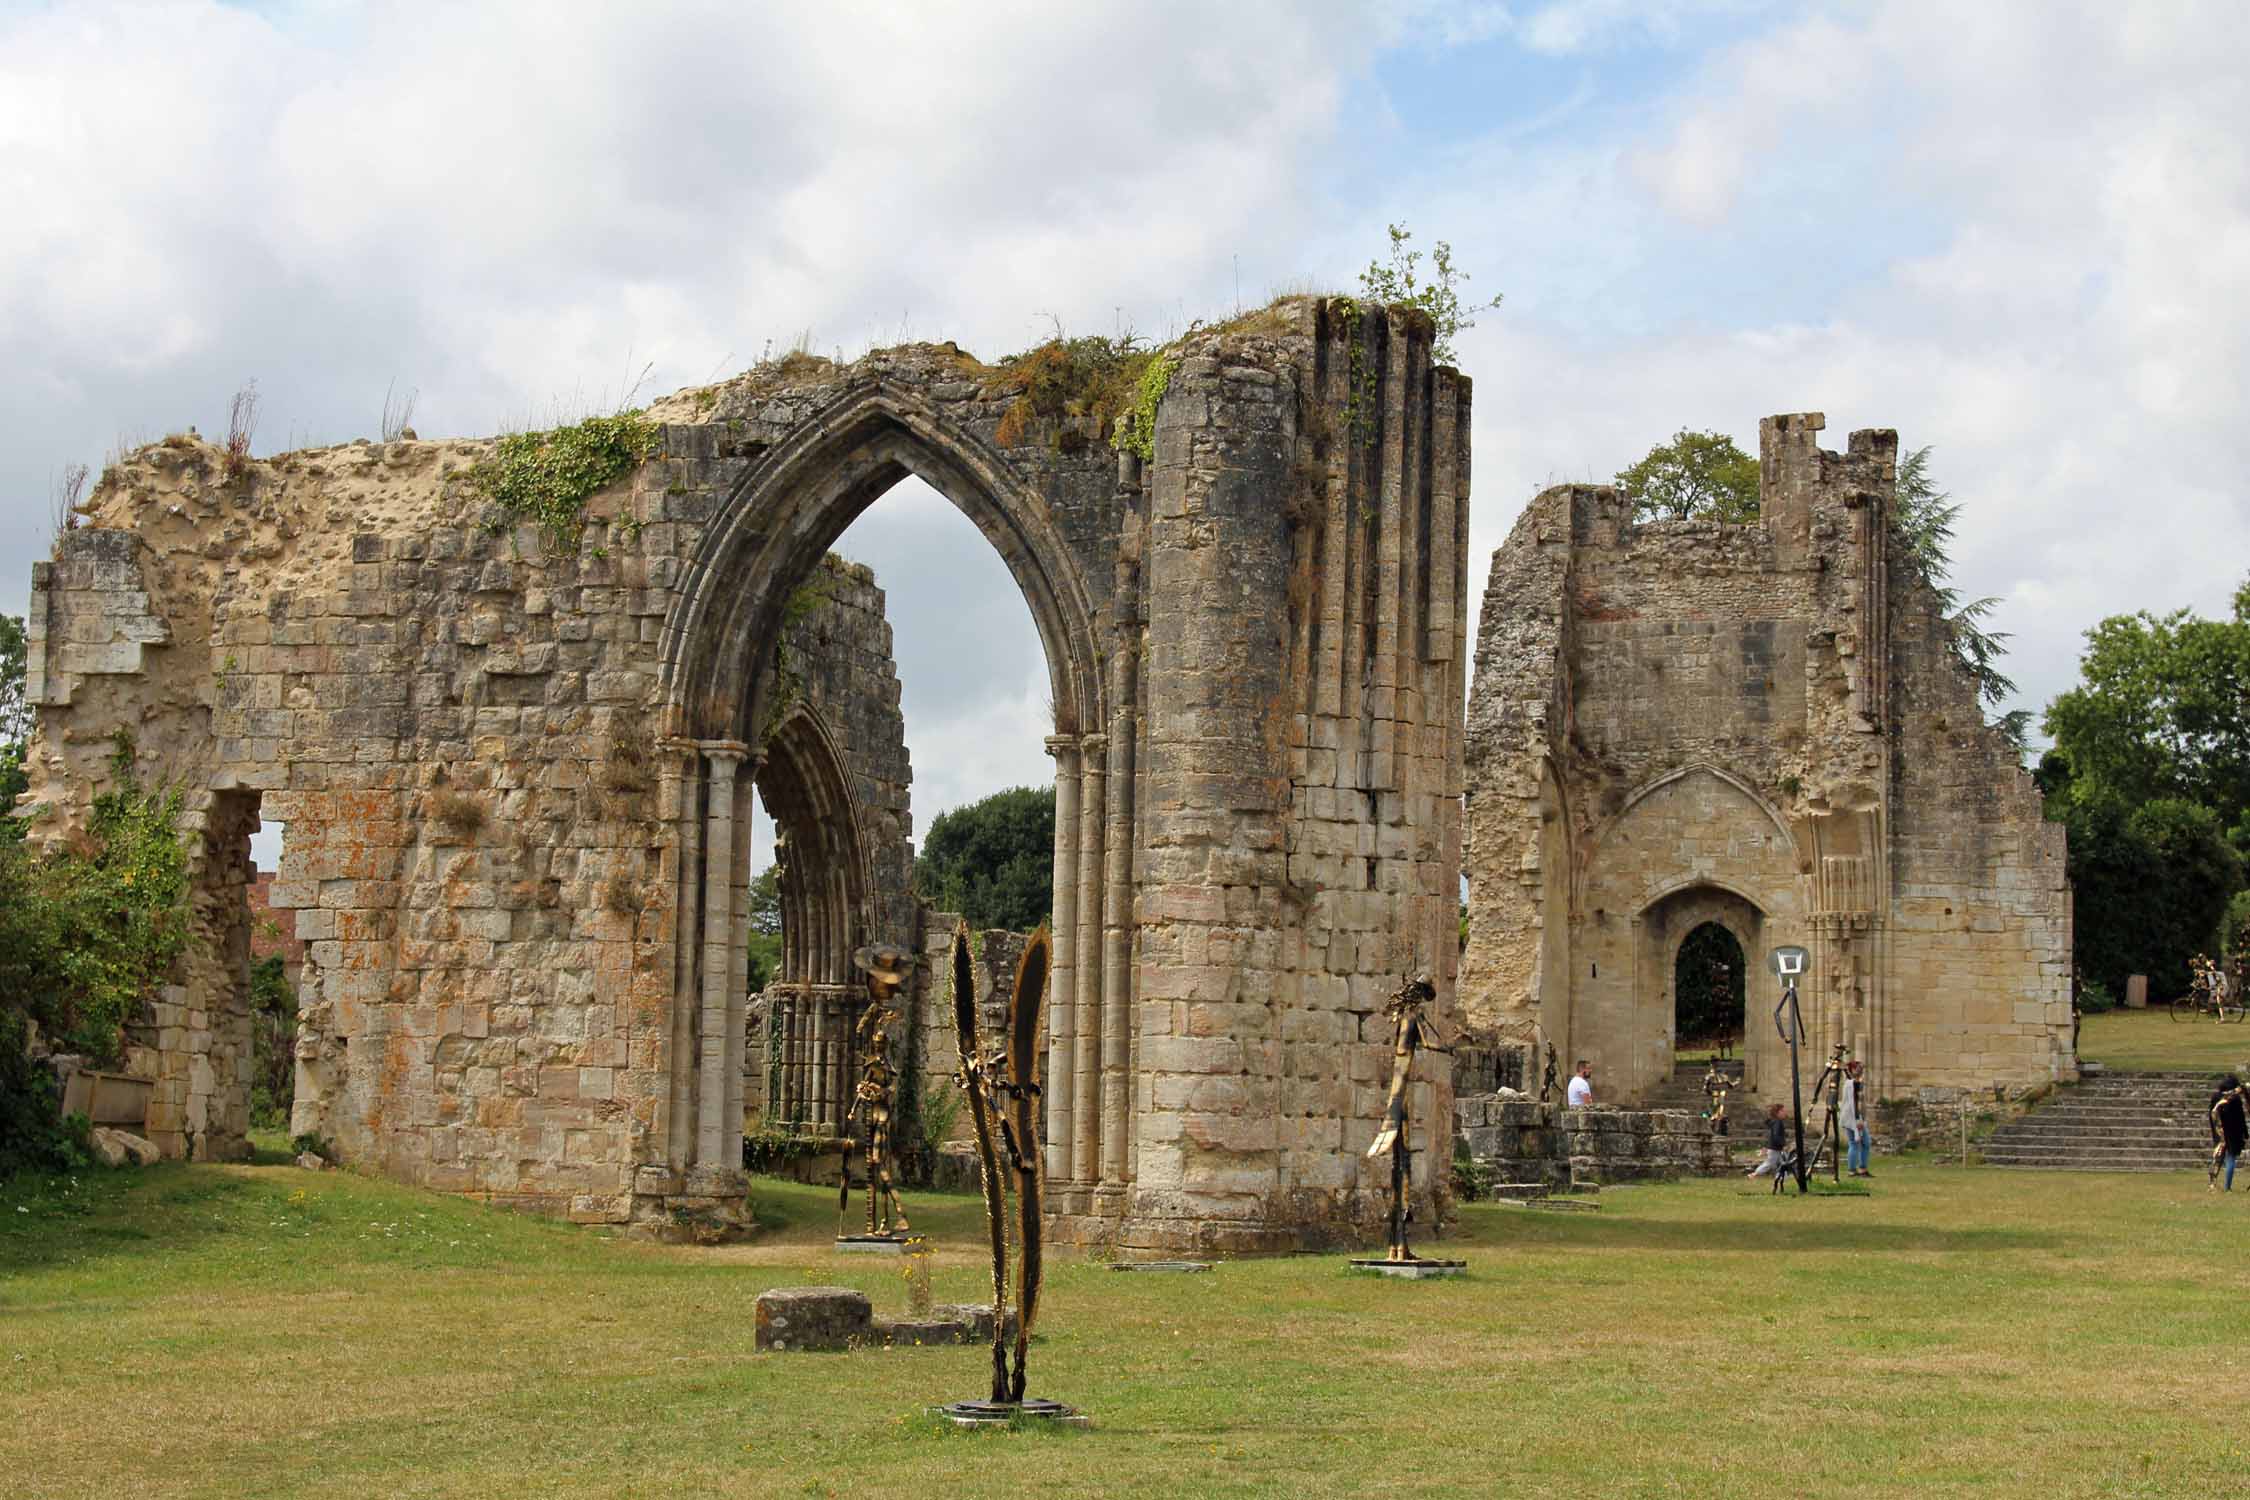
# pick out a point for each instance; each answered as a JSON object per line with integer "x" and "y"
{"x": 547, "y": 477}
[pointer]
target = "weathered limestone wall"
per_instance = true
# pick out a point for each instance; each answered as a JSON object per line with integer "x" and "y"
{"x": 1760, "y": 726}
{"x": 835, "y": 779}
{"x": 1520, "y": 1140}
{"x": 516, "y": 776}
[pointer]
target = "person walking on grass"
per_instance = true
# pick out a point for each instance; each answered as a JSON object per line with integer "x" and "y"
{"x": 1851, "y": 1113}
{"x": 1777, "y": 1143}
{"x": 2230, "y": 1125}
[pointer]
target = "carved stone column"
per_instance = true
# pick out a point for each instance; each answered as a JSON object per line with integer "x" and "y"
{"x": 1086, "y": 1038}
{"x": 721, "y": 758}
{"x": 1062, "y": 1007}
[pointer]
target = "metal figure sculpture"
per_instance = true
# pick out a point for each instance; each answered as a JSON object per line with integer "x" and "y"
{"x": 1717, "y": 1083}
{"x": 885, "y": 966}
{"x": 1547, "y": 1083}
{"x": 1001, "y": 1084}
{"x": 1411, "y": 1031}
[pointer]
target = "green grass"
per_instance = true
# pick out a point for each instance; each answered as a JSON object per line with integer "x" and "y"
{"x": 2152, "y": 1039}
{"x": 258, "y": 1331}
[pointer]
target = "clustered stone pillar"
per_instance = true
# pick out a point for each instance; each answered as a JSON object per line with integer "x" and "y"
{"x": 1062, "y": 1006}
{"x": 721, "y": 1029}
{"x": 1086, "y": 1083}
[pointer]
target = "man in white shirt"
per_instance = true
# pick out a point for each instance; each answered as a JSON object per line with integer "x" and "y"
{"x": 1581, "y": 1094}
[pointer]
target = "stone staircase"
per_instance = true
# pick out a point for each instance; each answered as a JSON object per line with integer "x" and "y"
{"x": 1684, "y": 1089}
{"x": 2113, "y": 1122}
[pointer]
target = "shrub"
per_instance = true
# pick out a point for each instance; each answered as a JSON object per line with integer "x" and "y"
{"x": 273, "y": 1044}
{"x": 2094, "y": 998}
{"x": 547, "y": 477}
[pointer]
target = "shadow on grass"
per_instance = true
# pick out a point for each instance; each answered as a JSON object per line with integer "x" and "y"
{"x": 1767, "y": 1231}
{"x": 77, "y": 1218}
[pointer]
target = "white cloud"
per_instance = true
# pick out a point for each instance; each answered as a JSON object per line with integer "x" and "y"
{"x": 2070, "y": 342}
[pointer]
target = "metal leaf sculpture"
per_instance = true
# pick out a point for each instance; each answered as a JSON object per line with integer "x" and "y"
{"x": 1023, "y": 1145}
{"x": 976, "y": 1087}
{"x": 1002, "y": 1087}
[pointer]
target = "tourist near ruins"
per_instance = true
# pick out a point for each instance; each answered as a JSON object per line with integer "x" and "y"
{"x": 1442, "y": 749}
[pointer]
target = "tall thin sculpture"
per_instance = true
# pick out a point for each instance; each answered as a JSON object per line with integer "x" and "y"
{"x": 1001, "y": 1083}
{"x": 885, "y": 966}
{"x": 1411, "y": 1030}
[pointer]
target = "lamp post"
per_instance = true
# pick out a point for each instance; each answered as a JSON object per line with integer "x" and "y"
{"x": 1787, "y": 962}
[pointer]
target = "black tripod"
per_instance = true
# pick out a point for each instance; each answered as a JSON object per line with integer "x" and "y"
{"x": 1831, "y": 1127}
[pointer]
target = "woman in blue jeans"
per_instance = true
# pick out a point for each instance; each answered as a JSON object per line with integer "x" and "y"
{"x": 1851, "y": 1114}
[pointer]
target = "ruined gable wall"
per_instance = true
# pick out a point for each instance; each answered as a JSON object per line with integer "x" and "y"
{"x": 1980, "y": 920}
{"x": 1771, "y": 709}
{"x": 1517, "y": 823}
{"x": 836, "y": 656}
{"x": 840, "y": 654}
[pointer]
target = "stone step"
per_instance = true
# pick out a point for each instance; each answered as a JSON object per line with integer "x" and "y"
{"x": 2076, "y": 1166}
{"x": 2145, "y": 1161}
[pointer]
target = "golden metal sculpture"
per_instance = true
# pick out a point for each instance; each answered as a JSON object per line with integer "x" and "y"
{"x": 885, "y": 966}
{"x": 1411, "y": 1031}
{"x": 1001, "y": 1083}
{"x": 1716, "y": 1085}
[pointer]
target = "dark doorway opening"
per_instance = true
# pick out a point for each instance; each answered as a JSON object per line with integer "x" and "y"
{"x": 1709, "y": 986}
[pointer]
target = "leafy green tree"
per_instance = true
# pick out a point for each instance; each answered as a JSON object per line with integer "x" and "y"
{"x": 15, "y": 714}
{"x": 1922, "y": 518}
{"x": 1398, "y": 281}
{"x": 765, "y": 927}
{"x": 993, "y": 861}
{"x": 1696, "y": 476}
{"x": 2152, "y": 883}
{"x": 2162, "y": 710}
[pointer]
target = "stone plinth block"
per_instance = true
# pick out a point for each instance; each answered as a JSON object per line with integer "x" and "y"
{"x": 869, "y": 1244}
{"x": 801, "y": 1318}
{"x": 1413, "y": 1270}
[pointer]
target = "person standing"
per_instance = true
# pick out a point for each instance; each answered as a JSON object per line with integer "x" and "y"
{"x": 1581, "y": 1095}
{"x": 1777, "y": 1143}
{"x": 2230, "y": 1126}
{"x": 1851, "y": 1113}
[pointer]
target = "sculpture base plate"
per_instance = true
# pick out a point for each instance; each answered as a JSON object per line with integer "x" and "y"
{"x": 1413, "y": 1270}
{"x": 871, "y": 1244}
{"x": 1002, "y": 1413}
{"x": 1176, "y": 1267}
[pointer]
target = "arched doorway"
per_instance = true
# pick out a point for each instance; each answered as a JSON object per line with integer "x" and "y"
{"x": 730, "y": 702}
{"x": 815, "y": 997}
{"x": 1691, "y": 983}
{"x": 1709, "y": 988}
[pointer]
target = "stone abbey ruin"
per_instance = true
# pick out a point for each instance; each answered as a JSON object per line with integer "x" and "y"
{"x": 515, "y": 763}
{"x": 515, "y": 775}
{"x": 1760, "y": 727}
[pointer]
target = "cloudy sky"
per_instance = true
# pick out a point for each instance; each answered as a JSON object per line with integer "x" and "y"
{"x": 2018, "y": 231}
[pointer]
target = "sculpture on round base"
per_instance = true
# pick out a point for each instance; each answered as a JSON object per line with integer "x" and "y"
{"x": 1001, "y": 1413}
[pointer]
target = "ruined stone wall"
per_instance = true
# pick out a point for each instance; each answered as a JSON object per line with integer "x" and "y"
{"x": 1979, "y": 934}
{"x": 836, "y": 782}
{"x": 1760, "y": 726}
{"x": 516, "y": 772}
{"x": 1520, "y": 1141}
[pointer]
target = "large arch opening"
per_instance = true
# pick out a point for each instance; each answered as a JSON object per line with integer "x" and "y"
{"x": 814, "y": 997}
{"x": 730, "y": 706}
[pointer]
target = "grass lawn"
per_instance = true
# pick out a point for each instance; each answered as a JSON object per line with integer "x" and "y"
{"x": 2152, "y": 1039}
{"x": 252, "y": 1331}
